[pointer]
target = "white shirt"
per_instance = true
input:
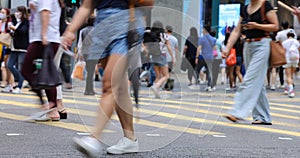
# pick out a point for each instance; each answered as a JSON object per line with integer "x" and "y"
{"x": 288, "y": 44}
{"x": 35, "y": 29}
{"x": 282, "y": 35}
{"x": 164, "y": 38}
{"x": 174, "y": 44}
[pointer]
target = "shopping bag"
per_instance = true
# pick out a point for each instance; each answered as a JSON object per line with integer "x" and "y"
{"x": 277, "y": 54}
{"x": 5, "y": 39}
{"x": 47, "y": 73}
{"x": 78, "y": 71}
{"x": 231, "y": 59}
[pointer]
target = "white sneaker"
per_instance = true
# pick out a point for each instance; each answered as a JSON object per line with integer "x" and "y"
{"x": 291, "y": 94}
{"x": 124, "y": 146}
{"x": 208, "y": 89}
{"x": 7, "y": 89}
{"x": 89, "y": 146}
{"x": 16, "y": 90}
{"x": 155, "y": 91}
{"x": 272, "y": 87}
{"x": 286, "y": 91}
{"x": 214, "y": 88}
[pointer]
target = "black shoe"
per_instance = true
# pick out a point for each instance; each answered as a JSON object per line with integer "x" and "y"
{"x": 89, "y": 93}
{"x": 97, "y": 79}
{"x": 149, "y": 85}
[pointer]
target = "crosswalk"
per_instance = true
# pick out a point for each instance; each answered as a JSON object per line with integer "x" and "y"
{"x": 196, "y": 116}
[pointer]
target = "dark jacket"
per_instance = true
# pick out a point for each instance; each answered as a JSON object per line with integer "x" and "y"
{"x": 21, "y": 36}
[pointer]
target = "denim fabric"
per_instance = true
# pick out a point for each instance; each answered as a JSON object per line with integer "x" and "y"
{"x": 110, "y": 33}
{"x": 14, "y": 64}
{"x": 251, "y": 95}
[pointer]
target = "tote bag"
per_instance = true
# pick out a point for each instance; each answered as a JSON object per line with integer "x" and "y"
{"x": 48, "y": 76}
{"x": 277, "y": 54}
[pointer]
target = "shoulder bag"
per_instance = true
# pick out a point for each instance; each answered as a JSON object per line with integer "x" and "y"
{"x": 277, "y": 52}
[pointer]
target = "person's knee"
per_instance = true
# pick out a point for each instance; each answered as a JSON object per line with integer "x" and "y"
{"x": 10, "y": 66}
{"x": 106, "y": 85}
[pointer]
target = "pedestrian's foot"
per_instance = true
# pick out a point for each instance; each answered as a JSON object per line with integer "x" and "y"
{"x": 258, "y": 122}
{"x": 149, "y": 85}
{"x": 89, "y": 93}
{"x": 232, "y": 118}
{"x": 124, "y": 146}
{"x": 155, "y": 91}
{"x": 68, "y": 86}
{"x": 89, "y": 146}
{"x": 291, "y": 94}
{"x": 41, "y": 116}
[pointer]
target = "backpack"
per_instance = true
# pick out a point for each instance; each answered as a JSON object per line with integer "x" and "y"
{"x": 152, "y": 44}
{"x": 293, "y": 53}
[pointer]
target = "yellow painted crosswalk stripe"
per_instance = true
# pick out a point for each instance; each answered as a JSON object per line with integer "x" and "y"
{"x": 93, "y": 114}
{"x": 65, "y": 125}
{"x": 188, "y": 118}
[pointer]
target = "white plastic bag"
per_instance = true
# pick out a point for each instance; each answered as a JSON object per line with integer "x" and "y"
{"x": 78, "y": 71}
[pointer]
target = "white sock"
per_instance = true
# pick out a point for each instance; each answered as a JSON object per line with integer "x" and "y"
{"x": 291, "y": 88}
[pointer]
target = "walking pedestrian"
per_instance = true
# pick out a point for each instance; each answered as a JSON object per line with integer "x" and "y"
{"x": 216, "y": 62}
{"x": 204, "y": 56}
{"x": 112, "y": 21}
{"x": 43, "y": 30}
{"x": 91, "y": 64}
{"x": 159, "y": 52}
{"x": 174, "y": 45}
{"x": 292, "y": 48}
{"x": 281, "y": 36}
{"x": 19, "y": 30}
{"x": 251, "y": 94}
{"x": 189, "y": 52}
{"x": 7, "y": 82}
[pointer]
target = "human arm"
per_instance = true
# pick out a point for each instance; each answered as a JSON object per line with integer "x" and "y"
{"x": 296, "y": 12}
{"x": 272, "y": 26}
{"x": 199, "y": 48}
{"x": 45, "y": 18}
{"x": 234, "y": 36}
{"x": 170, "y": 51}
{"x": 79, "y": 18}
{"x": 23, "y": 28}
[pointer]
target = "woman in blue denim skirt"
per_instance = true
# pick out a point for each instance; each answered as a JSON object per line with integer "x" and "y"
{"x": 251, "y": 95}
{"x": 110, "y": 45}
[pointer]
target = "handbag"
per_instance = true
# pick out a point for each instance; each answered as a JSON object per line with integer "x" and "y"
{"x": 47, "y": 76}
{"x": 132, "y": 35}
{"x": 277, "y": 54}
{"x": 231, "y": 59}
{"x": 5, "y": 39}
{"x": 184, "y": 64}
{"x": 215, "y": 53}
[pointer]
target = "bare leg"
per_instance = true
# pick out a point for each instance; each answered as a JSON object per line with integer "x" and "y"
{"x": 165, "y": 75}
{"x": 115, "y": 69}
{"x": 238, "y": 73}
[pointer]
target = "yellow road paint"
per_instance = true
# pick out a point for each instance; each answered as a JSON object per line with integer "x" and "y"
{"x": 182, "y": 117}
{"x": 65, "y": 125}
{"x": 93, "y": 114}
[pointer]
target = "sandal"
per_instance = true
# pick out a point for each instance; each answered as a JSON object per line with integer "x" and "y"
{"x": 258, "y": 122}
{"x": 63, "y": 114}
{"x": 232, "y": 118}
